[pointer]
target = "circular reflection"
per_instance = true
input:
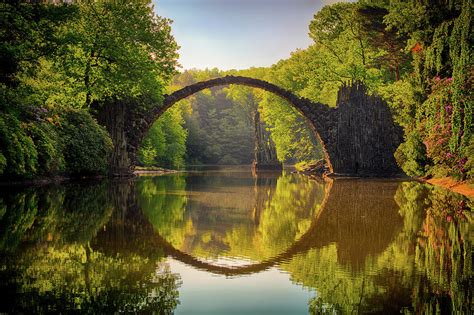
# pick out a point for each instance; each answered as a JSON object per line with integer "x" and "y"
{"x": 233, "y": 221}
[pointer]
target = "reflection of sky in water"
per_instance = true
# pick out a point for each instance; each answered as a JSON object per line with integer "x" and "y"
{"x": 230, "y": 261}
{"x": 268, "y": 292}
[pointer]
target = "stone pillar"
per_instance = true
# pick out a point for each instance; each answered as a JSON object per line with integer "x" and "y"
{"x": 113, "y": 115}
{"x": 265, "y": 150}
{"x": 366, "y": 136}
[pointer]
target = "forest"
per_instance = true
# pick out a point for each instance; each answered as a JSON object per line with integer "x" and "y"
{"x": 61, "y": 61}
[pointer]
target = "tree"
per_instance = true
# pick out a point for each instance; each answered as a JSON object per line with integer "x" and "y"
{"x": 165, "y": 143}
{"x": 75, "y": 55}
{"x": 116, "y": 50}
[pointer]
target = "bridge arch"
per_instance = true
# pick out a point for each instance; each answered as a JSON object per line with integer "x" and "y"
{"x": 358, "y": 136}
{"x": 316, "y": 114}
{"x": 346, "y": 217}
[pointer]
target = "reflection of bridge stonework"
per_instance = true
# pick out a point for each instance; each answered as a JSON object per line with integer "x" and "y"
{"x": 359, "y": 225}
{"x": 358, "y": 136}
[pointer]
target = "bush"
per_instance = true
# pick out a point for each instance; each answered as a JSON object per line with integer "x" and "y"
{"x": 3, "y": 162}
{"x": 48, "y": 146}
{"x": 19, "y": 154}
{"x": 86, "y": 145}
{"x": 469, "y": 160}
{"x": 411, "y": 155}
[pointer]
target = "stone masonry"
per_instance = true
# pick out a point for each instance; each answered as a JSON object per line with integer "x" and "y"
{"x": 358, "y": 136}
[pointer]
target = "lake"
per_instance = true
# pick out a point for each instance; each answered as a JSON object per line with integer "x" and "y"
{"x": 225, "y": 241}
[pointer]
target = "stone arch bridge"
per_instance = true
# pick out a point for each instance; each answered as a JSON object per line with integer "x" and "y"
{"x": 358, "y": 136}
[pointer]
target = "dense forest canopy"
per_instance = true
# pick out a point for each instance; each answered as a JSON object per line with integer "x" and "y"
{"x": 60, "y": 61}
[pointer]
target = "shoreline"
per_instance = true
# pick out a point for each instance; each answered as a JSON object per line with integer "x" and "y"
{"x": 57, "y": 180}
{"x": 153, "y": 172}
{"x": 463, "y": 187}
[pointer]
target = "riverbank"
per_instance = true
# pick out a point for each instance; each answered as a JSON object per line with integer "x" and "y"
{"x": 464, "y": 188}
{"x": 152, "y": 171}
{"x": 317, "y": 169}
{"x": 41, "y": 181}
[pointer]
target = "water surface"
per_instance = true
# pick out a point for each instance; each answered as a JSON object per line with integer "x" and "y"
{"x": 224, "y": 241}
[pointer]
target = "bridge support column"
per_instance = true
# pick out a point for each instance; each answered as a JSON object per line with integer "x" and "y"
{"x": 265, "y": 150}
{"x": 113, "y": 116}
{"x": 365, "y": 137}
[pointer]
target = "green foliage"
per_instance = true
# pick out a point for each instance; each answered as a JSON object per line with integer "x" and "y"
{"x": 219, "y": 121}
{"x": 165, "y": 143}
{"x": 28, "y": 32}
{"x": 86, "y": 144}
{"x": 401, "y": 97}
{"x": 73, "y": 144}
{"x": 3, "y": 163}
{"x": 344, "y": 50}
{"x": 107, "y": 50}
{"x": 439, "y": 35}
{"x": 411, "y": 155}
{"x": 437, "y": 118}
{"x": 48, "y": 144}
{"x": 279, "y": 116}
{"x": 18, "y": 149}
{"x": 299, "y": 144}
{"x": 469, "y": 153}
{"x": 221, "y": 126}
{"x": 415, "y": 54}
{"x": 70, "y": 55}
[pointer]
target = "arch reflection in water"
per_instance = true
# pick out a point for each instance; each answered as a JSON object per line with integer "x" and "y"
{"x": 355, "y": 246}
{"x": 235, "y": 218}
{"x": 370, "y": 244}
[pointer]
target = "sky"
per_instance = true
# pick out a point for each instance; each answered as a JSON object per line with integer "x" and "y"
{"x": 238, "y": 34}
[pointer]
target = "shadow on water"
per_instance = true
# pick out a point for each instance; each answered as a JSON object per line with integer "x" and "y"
{"x": 362, "y": 246}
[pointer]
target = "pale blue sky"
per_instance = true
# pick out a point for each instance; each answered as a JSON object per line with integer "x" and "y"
{"x": 238, "y": 34}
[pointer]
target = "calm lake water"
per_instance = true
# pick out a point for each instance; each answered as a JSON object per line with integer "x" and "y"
{"x": 226, "y": 242}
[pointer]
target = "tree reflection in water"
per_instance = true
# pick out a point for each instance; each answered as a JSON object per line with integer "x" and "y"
{"x": 425, "y": 268}
{"x": 49, "y": 265}
{"x": 361, "y": 246}
{"x": 253, "y": 219}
